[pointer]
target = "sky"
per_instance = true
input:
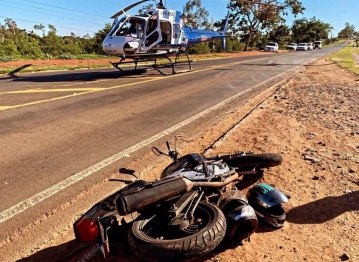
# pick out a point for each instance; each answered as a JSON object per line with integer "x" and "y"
{"x": 88, "y": 16}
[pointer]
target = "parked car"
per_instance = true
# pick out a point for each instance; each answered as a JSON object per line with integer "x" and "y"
{"x": 318, "y": 44}
{"x": 292, "y": 46}
{"x": 302, "y": 47}
{"x": 310, "y": 46}
{"x": 271, "y": 47}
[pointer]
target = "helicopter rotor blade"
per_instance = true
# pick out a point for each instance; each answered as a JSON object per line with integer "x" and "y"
{"x": 128, "y": 8}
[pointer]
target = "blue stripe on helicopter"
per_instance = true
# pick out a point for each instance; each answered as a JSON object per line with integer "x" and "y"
{"x": 196, "y": 36}
{"x": 178, "y": 16}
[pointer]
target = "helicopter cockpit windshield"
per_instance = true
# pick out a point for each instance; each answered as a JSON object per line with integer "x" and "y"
{"x": 128, "y": 26}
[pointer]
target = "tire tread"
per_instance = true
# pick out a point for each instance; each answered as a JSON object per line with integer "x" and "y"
{"x": 190, "y": 247}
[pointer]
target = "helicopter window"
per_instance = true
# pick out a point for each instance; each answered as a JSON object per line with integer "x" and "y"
{"x": 152, "y": 24}
{"x": 176, "y": 31}
{"x": 115, "y": 25}
{"x": 136, "y": 27}
{"x": 151, "y": 39}
{"x": 166, "y": 32}
{"x": 124, "y": 30}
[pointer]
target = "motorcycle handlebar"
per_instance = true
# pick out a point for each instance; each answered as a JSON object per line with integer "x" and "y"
{"x": 157, "y": 152}
{"x": 168, "y": 146}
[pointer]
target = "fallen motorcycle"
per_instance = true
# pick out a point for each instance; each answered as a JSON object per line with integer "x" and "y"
{"x": 185, "y": 214}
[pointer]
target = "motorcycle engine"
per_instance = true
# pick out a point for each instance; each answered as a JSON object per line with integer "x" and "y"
{"x": 208, "y": 171}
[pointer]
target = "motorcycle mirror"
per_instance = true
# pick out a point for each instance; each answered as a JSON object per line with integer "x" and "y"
{"x": 176, "y": 141}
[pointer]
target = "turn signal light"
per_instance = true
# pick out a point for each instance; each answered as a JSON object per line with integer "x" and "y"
{"x": 87, "y": 231}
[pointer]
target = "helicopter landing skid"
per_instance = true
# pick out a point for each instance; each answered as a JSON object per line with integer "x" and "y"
{"x": 155, "y": 66}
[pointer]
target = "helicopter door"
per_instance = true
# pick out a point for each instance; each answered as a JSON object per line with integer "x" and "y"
{"x": 177, "y": 34}
{"x": 153, "y": 33}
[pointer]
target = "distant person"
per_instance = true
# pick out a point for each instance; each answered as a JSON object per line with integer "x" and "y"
{"x": 132, "y": 29}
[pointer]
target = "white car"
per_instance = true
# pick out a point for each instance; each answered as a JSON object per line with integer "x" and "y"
{"x": 292, "y": 46}
{"x": 310, "y": 46}
{"x": 271, "y": 47}
{"x": 302, "y": 47}
{"x": 318, "y": 44}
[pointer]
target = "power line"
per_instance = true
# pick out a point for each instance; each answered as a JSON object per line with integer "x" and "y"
{"x": 24, "y": 20}
{"x": 64, "y": 8}
{"x": 117, "y": 2}
{"x": 46, "y": 13}
{"x": 43, "y": 9}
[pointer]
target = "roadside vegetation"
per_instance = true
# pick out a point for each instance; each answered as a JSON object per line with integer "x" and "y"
{"x": 347, "y": 57}
{"x": 250, "y": 27}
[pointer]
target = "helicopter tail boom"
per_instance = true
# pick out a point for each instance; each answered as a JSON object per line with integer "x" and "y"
{"x": 224, "y": 31}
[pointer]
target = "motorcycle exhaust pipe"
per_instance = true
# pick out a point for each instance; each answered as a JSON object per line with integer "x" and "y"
{"x": 228, "y": 180}
{"x": 132, "y": 200}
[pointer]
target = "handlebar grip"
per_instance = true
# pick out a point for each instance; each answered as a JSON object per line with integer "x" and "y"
{"x": 156, "y": 151}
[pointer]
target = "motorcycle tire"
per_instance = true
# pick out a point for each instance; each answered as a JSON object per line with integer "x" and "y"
{"x": 258, "y": 161}
{"x": 148, "y": 245}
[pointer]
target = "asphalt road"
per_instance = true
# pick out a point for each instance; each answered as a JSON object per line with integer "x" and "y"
{"x": 62, "y": 131}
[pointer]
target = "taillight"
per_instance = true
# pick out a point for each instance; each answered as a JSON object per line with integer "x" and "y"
{"x": 86, "y": 230}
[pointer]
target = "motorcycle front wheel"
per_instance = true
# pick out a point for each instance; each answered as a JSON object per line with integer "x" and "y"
{"x": 152, "y": 239}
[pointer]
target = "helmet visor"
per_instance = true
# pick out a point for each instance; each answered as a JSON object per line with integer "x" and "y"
{"x": 272, "y": 198}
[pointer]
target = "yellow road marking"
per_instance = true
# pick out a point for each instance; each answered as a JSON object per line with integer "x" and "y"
{"x": 53, "y": 90}
{"x": 93, "y": 89}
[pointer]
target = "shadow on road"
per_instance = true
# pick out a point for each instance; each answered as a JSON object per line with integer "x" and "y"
{"x": 19, "y": 69}
{"x": 69, "y": 251}
{"x": 325, "y": 209}
{"x": 73, "y": 252}
{"x": 72, "y": 76}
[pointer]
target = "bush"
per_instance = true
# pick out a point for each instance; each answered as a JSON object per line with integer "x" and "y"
{"x": 198, "y": 49}
{"x": 66, "y": 56}
{"x": 7, "y": 58}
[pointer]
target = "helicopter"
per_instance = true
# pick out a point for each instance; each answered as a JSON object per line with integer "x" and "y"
{"x": 159, "y": 33}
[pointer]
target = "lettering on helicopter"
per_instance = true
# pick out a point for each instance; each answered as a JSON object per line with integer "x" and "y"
{"x": 160, "y": 33}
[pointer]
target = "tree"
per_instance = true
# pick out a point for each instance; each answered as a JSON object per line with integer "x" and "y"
{"x": 40, "y": 27}
{"x": 196, "y": 15}
{"x": 98, "y": 39}
{"x": 347, "y": 32}
{"x": 145, "y": 9}
{"x": 280, "y": 34}
{"x": 304, "y": 30}
{"x": 11, "y": 25}
{"x": 52, "y": 29}
{"x": 263, "y": 15}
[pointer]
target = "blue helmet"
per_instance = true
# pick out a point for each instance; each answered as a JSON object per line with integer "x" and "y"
{"x": 266, "y": 201}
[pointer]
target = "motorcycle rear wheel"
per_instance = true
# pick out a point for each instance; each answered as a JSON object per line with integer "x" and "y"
{"x": 149, "y": 239}
{"x": 258, "y": 161}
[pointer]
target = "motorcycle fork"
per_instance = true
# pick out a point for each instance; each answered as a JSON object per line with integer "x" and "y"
{"x": 191, "y": 209}
{"x": 181, "y": 203}
{"x": 187, "y": 199}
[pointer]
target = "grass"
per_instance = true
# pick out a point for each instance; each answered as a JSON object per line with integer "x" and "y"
{"x": 346, "y": 57}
